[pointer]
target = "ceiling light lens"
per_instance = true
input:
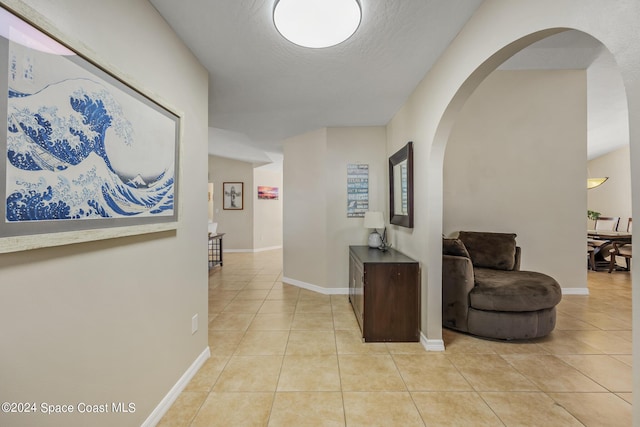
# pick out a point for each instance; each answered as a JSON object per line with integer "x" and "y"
{"x": 317, "y": 23}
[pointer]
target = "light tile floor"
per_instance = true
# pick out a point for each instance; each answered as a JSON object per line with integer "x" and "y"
{"x": 284, "y": 356}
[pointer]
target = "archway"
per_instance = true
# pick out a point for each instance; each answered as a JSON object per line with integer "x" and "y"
{"x": 494, "y": 33}
{"x": 523, "y": 136}
{"x": 436, "y": 161}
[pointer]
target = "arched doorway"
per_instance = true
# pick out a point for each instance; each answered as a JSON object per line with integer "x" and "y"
{"x": 497, "y": 31}
{"x": 569, "y": 232}
{"x": 436, "y": 159}
{"x": 516, "y": 158}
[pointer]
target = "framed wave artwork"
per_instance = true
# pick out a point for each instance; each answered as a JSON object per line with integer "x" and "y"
{"x": 80, "y": 150}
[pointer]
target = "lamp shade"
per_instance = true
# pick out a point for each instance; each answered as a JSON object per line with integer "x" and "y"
{"x": 595, "y": 182}
{"x": 373, "y": 220}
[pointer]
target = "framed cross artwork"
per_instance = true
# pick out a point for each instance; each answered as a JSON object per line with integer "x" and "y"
{"x": 233, "y": 195}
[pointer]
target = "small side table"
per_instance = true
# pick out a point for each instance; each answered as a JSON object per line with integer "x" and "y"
{"x": 215, "y": 249}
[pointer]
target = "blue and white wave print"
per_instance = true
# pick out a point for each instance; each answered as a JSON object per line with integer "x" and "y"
{"x": 58, "y": 163}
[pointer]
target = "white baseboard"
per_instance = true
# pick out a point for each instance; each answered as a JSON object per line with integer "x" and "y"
{"x": 431, "y": 345}
{"x": 316, "y": 288}
{"x": 575, "y": 291}
{"x": 270, "y": 248}
{"x": 164, "y": 405}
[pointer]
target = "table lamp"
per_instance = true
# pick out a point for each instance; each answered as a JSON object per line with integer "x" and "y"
{"x": 374, "y": 220}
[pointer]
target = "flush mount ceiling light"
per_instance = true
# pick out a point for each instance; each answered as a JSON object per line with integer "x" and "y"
{"x": 317, "y": 23}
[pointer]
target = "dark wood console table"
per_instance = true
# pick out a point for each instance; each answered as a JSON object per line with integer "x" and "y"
{"x": 384, "y": 291}
{"x": 215, "y": 249}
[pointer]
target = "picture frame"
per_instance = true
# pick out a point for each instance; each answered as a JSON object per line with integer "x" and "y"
{"x": 233, "y": 196}
{"x": 357, "y": 189}
{"x": 83, "y": 149}
{"x": 401, "y": 187}
{"x": 266, "y": 192}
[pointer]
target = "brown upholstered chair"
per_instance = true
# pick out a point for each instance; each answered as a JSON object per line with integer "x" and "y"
{"x": 484, "y": 292}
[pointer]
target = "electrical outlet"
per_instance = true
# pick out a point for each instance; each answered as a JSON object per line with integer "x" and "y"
{"x": 194, "y": 324}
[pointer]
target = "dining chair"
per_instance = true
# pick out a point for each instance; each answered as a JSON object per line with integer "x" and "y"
{"x": 609, "y": 223}
{"x": 621, "y": 250}
{"x": 624, "y": 250}
{"x": 598, "y": 248}
{"x": 591, "y": 257}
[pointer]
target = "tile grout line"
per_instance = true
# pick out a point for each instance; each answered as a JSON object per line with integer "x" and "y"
{"x": 275, "y": 391}
{"x": 335, "y": 343}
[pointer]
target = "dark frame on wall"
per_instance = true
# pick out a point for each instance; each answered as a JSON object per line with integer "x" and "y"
{"x": 233, "y": 195}
{"x": 401, "y": 187}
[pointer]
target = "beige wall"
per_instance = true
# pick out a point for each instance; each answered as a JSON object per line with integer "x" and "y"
{"x": 236, "y": 224}
{"x": 512, "y": 164}
{"x": 613, "y": 198}
{"x": 305, "y": 214}
{"x": 267, "y": 214}
{"x": 110, "y": 321}
{"x": 259, "y": 225}
{"x": 317, "y": 232}
{"x": 344, "y": 146}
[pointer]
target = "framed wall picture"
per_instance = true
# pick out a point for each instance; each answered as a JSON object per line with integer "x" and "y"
{"x": 82, "y": 149}
{"x": 267, "y": 192}
{"x": 233, "y": 193}
{"x": 357, "y": 190}
{"x": 401, "y": 187}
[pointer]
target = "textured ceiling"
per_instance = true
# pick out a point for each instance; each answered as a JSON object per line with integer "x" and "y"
{"x": 264, "y": 89}
{"x": 267, "y": 89}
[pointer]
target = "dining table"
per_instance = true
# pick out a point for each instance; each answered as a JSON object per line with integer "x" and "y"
{"x": 603, "y": 241}
{"x": 618, "y": 236}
